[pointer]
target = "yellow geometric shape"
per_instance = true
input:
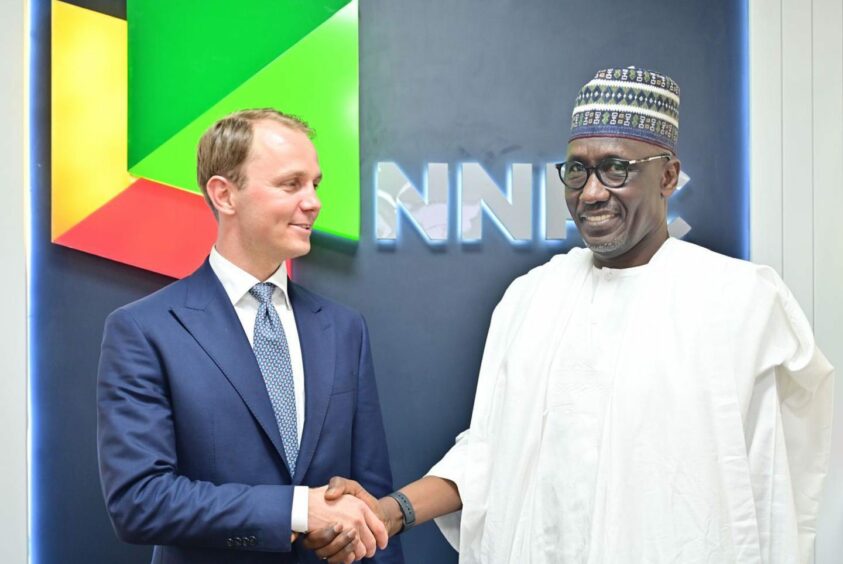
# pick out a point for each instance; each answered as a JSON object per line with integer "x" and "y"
{"x": 89, "y": 113}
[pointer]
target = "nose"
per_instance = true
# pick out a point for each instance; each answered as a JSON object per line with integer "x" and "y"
{"x": 311, "y": 201}
{"x": 594, "y": 191}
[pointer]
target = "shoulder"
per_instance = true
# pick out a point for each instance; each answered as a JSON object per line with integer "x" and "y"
{"x": 195, "y": 291}
{"x": 306, "y": 298}
{"x": 555, "y": 271}
{"x": 696, "y": 257}
{"x": 142, "y": 321}
{"x": 154, "y": 305}
{"x": 557, "y": 267}
{"x": 719, "y": 273}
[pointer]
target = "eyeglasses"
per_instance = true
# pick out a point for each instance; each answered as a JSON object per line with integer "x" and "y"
{"x": 611, "y": 171}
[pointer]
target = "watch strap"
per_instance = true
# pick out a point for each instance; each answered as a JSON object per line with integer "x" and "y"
{"x": 407, "y": 510}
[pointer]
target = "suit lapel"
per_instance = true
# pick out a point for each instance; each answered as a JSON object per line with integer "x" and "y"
{"x": 318, "y": 353}
{"x": 209, "y": 317}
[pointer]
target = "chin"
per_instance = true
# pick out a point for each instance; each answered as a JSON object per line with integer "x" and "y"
{"x": 608, "y": 249}
{"x": 299, "y": 251}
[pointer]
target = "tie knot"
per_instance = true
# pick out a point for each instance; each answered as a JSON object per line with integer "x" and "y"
{"x": 263, "y": 292}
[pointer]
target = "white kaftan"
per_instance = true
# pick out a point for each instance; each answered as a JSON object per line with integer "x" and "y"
{"x": 675, "y": 412}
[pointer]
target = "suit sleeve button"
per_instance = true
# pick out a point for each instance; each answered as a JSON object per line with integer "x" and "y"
{"x": 253, "y": 540}
{"x": 229, "y": 541}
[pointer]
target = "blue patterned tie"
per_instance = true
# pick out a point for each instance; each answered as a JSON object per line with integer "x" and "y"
{"x": 274, "y": 360}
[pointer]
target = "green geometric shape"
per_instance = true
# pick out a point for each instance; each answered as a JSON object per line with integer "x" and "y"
{"x": 317, "y": 80}
{"x": 184, "y": 56}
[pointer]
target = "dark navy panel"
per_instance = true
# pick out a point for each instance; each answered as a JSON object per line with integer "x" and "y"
{"x": 71, "y": 294}
{"x": 443, "y": 81}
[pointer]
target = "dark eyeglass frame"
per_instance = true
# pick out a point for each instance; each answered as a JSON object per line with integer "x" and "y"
{"x": 605, "y": 164}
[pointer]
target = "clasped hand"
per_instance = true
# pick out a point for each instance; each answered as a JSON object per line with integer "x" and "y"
{"x": 346, "y": 522}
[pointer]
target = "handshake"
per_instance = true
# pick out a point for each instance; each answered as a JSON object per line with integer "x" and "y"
{"x": 347, "y": 523}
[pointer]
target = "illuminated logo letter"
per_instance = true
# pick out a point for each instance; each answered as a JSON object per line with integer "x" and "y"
{"x": 512, "y": 212}
{"x": 428, "y": 212}
{"x": 555, "y": 209}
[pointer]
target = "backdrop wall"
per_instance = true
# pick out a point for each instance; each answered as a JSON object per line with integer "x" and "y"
{"x": 446, "y": 82}
{"x": 796, "y": 102}
{"x": 13, "y": 470}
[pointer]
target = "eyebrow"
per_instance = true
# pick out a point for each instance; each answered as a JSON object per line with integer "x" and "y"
{"x": 288, "y": 174}
{"x": 582, "y": 159}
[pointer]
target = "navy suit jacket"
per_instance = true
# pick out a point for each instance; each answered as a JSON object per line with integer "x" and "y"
{"x": 191, "y": 458}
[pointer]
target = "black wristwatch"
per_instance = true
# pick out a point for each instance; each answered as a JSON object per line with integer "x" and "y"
{"x": 407, "y": 511}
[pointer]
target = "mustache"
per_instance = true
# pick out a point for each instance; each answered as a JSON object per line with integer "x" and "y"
{"x": 607, "y": 206}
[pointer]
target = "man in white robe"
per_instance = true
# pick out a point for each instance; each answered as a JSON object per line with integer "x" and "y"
{"x": 644, "y": 400}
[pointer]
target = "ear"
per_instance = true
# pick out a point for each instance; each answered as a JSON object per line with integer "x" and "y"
{"x": 221, "y": 193}
{"x": 670, "y": 177}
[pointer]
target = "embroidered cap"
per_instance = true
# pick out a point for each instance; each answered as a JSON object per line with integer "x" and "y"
{"x": 632, "y": 103}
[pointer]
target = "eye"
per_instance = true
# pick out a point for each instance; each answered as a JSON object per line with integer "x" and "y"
{"x": 574, "y": 167}
{"x": 289, "y": 183}
{"x": 615, "y": 166}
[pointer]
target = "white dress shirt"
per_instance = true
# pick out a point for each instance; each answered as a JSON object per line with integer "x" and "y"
{"x": 237, "y": 282}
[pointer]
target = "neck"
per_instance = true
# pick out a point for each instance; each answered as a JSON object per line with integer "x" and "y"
{"x": 261, "y": 267}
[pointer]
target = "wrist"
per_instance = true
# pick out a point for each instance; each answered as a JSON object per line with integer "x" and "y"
{"x": 393, "y": 518}
{"x": 314, "y": 505}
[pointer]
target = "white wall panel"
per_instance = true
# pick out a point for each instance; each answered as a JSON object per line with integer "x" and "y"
{"x": 797, "y": 152}
{"x": 796, "y": 103}
{"x": 827, "y": 96}
{"x": 13, "y": 386}
{"x": 765, "y": 133}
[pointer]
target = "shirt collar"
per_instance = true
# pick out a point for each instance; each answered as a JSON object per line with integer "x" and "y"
{"x": 237, "y": 282}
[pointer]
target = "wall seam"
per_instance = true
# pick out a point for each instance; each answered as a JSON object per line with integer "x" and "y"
{"x": 813, "y": 191}
{"x": 781, "y": 135}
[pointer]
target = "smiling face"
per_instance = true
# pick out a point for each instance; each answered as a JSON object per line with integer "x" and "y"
{"x": 625, "y": 226}
{"x": 269, "y": 218}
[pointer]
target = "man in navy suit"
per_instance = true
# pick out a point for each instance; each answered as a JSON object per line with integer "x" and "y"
{"x": 224, "y": 396}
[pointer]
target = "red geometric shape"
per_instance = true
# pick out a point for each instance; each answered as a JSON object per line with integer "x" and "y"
{"x": 150, "y": 226}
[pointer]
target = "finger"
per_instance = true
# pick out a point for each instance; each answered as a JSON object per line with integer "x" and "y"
{"x": 345, "y": 556}
{"x": 360, "y": 550}
{"x": 341, "y": 546}
{"x": 323, "y": 537}
{"x": 367, "y": 498}
{"x": 366, "y": 536}
{"x": 337, "y": 486}
{"x": 336, "y": 483}
{"x": 293, "y": 537}
{"x": 377, "y": 528}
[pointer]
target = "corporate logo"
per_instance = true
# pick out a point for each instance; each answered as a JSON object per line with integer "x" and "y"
{"x": 130, "y": 99}
{"x": 514, "y": 211}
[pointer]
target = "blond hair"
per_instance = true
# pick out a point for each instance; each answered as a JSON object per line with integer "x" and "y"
{"x": 225, "y": 146}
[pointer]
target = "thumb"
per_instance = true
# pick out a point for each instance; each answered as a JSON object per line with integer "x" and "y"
{"x": 367, "y": 498}
{"x": 338, "y": 486}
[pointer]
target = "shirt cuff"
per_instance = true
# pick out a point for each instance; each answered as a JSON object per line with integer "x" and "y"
{"x": 298, "y": 516}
